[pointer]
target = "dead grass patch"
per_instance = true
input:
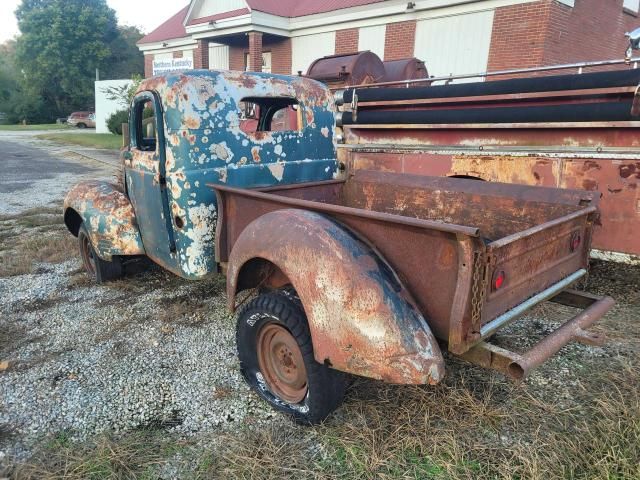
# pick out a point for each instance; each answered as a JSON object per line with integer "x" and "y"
{"x": 53, "y": 248}
{"x": 474, "y": 425}
{"x": 139, "y": 455}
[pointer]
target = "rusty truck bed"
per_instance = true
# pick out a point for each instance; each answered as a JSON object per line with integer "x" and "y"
{"x": 473, "y": 255}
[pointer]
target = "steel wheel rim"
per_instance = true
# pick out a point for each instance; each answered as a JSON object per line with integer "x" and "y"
{"x": 281, "y": 363}
{"x": 87, "y": 255}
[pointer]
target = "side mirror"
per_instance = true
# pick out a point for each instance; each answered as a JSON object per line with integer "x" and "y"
{"x": 634, "y": 43}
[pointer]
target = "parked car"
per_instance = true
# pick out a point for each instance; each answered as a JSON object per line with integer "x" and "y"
{"x": 370, "y": 273}
{"x": 82, "y": 120}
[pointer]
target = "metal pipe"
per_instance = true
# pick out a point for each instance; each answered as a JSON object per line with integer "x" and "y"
{"x": 567, "y": 66}
{"x": 550, "y": 345}
{"x": 508, "y": 317}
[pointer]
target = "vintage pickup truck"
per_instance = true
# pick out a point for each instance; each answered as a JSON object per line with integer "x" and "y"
{"x": 339, "y": 269}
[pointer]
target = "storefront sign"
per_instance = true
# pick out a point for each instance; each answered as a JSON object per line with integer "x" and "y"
{"x": 171, "y": 65}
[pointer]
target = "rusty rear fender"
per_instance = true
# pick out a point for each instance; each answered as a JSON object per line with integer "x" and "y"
{"x": 108, "y": 217}
{"x": 362, "y": 319}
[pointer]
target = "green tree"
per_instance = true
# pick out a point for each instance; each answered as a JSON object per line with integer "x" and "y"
{"x": 12, "y": 100}
{"x": 62, "y": 44}
{"x": 126, "y": 60}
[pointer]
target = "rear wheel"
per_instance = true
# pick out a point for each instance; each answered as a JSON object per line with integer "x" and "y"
{"x": 276, "y": 359}
{"x": 82, "y": 125}
{"x": 99, "y": 270}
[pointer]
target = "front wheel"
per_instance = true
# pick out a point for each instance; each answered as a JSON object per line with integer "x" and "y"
{"x": 99, "y": 270}
{"x": 276, "y": 359}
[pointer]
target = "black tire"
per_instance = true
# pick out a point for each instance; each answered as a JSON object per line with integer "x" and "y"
{"x": 325, "y": 387}
{"x": 81, "y": 125}
{"x": 99, "y": 270}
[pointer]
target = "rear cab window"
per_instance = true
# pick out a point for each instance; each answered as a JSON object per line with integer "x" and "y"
{"x": 272, "y": 114}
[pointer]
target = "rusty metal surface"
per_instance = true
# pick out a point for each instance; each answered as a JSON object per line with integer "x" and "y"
{"x": 362, "y": 319}
{"x": 406, "y": 69}
{"x": 349, "y": 69}
{"x": 551, "y": 344}
{"x": 604, "y": 160}
{"x": 108, "y": 216}
{"x": 519, "y": 365}
{"x": 446, "y": 263}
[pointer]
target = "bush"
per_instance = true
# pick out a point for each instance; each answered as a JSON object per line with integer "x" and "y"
{"x": 115, "y": 121}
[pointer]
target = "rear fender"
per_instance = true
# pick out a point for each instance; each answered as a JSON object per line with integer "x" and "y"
{"x": 362, "y": 319}
{"x": 108, "y": 217}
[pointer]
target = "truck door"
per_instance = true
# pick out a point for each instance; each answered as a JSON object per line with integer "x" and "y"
{"x": 145, "y": 166}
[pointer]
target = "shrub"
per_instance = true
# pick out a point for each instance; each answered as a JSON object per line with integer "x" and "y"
{"x": 115, "y": 121}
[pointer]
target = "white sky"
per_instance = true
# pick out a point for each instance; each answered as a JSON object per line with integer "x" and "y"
{"x": 145, "y": 14}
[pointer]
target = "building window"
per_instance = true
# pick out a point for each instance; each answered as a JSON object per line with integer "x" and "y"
{"x": 266, "y": 62}
{"x": 631, "y": 5}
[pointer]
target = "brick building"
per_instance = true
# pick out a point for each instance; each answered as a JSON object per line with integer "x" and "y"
{"x": 451, "y": 36}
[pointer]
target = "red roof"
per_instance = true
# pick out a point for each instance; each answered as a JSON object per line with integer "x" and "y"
{"x": 219, "y": 16}
{"x": 300, "y": 8}
{"x": 174, "y": 27}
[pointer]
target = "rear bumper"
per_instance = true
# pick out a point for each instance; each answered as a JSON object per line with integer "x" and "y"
{"x": 518, "y": 365}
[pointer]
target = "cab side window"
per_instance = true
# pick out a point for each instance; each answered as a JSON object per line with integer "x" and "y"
{"x": 144, "y": 131}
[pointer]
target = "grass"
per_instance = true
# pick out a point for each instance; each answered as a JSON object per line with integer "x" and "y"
{"x": 473, "y": 426}
{"x": 34, "y": 236}
{"x": 96, "y": 140}
{"x": 26, "y": 128}
{"x": 107, "y": 457}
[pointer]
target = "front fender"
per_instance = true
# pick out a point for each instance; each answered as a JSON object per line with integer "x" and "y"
{"x": 362, "y": 319}
{"x": 108, "y": 217}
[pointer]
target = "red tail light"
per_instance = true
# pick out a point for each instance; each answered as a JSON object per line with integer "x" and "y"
{"x": 498, "y": 279}
{"x": 574, "y": 243}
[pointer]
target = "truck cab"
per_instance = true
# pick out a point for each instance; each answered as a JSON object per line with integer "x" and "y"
{"x": 192, "y": 128}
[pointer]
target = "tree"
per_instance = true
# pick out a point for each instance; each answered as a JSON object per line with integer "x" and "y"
{"x": 13, "y": 102}
{"x": 126, "y": 60}
{"x": 62, "y": 44}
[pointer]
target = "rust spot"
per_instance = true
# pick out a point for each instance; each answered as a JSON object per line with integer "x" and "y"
{"x": 591, "y": 165}
{"x": 255, "y": 153}
{"x": 629, "y": 170}
{"x": 588, "y": 184}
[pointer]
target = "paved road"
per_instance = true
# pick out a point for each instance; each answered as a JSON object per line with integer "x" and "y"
{"x": 33, "y": 176}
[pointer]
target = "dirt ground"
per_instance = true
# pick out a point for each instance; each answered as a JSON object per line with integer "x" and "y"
{"x": 139, "y": 379}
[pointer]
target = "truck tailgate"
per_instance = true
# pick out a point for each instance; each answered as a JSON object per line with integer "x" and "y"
{"x": 527, "y": 263}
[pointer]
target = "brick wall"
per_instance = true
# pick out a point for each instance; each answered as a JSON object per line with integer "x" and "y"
{"x": 148, "y": 66}
{"x": 255, "y": 51}
{"x": 347, "y": 41}
{"x": 519, "y": 35}
{"x": 548, "y": 32}
{"x": 280, "y": 55}
{"x": 591, "y": 30}
{"x": 201, "y": 55}
{"x": 399, "y": 40}
{"x": 236, "y": 57}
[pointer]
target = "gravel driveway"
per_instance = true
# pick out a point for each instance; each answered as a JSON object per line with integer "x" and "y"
{"x": 155, "y": 352}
